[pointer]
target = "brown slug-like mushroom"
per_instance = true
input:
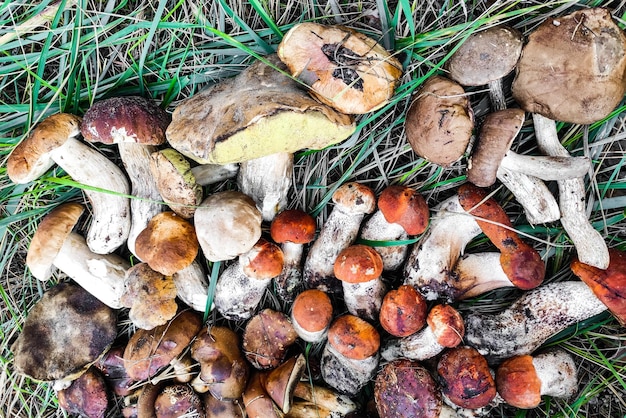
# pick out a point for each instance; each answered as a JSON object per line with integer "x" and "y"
{"x": 325, "y": 398}
{"x": 311, "y": 314}
{"x": 267, "y": 337}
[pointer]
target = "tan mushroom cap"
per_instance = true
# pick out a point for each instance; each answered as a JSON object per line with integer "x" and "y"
{"x": 440, "y": 121}
{"x": 518, "y": 383}
{"x": 49, "y": 237}
{"x": 353, "y": 337}
{"x": 312, "y": 310}
{"x": 573, "y": 67}
{"x": 30, "y": 158}
{"x": 403, "y": 311}
{"x": 406, "y": 207}
{"x": 344, "y": 69}
{"x": 168, "y": 244}
{"x": 447, "y": 324}
{"x": 355, "y": 198}
{"x": 65, "y": 332}
{"x": 264, "y": 261}
{"x": 293, "y": 225}
{"x": 358, "y": 264}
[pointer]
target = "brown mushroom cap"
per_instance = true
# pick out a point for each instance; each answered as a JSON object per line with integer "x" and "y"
{"x": 66, "y": 331}
{"x": 344, "y": 68}
{"x": 294, "y": 226}
{"x": 447, "y": 325}
{"x": 406, "y": 207}
{"x": 572, "y": 67}
{"x": 358, "y": 264}
{"x": 312, "y": 310}
{"x": 49, "y": 237}
{"x": 178, "y": 400}
{"x": 404, "y": 388}
{"x": 257, "y": 401}
{"x": 281, "y": 382}
{"x": 518, "y": 383}
{"x": 440, "y": 121}
{"x": 266, "y": 338}
{"x": 125, "y": 119}
{"x": 87, "y": 396}
{"x": 264, "y": 261}
{"x": 403, "y": 311}
{"x": 353, "y": 337}
{"x": 466, "y": 378}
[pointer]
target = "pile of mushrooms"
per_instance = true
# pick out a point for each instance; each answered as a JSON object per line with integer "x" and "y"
{"x": 336, "y": 283}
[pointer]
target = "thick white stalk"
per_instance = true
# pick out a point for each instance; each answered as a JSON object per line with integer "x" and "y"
{"x": 557, "y": 372}
{"x": 347, "y": 375}
{"x": 475, "y": 274}
{"x": 237, "y": 295}
{"x": 364, "y": 299}
{"x": 547, "y": 167}
{"x": 289, "y": 282}
{"x": 376, "y": 228}
{"x": 206, "y": 174}
{"x": 419, "y": 346}
{"x": 192, "y": 287}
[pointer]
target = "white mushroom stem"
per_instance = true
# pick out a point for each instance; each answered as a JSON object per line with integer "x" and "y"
{"x": 192, "y": 287}
{"x": 531, "y": 320}
{"x": 419, "y": 346}
{"x": 434, "y": 256}
{"x": 102, "y": 275}
{"x": 206, "y": 174}
{"x": 345, "y": 374}
{"x": 136, "y": 159}
{"x": 376, "y": 228}
{"x": 557, "y": 372}
{"x": 475, "y": 274}
{"x": 538, "y": 202}
{"x": 267, "y": 180}
{"x": 364, "y": 299}
{"x": 289, "y": 282}
{"x": 450, "y": 410}
{"x": 237, "y": 295}
{"x": 547, "y": 167}
{"x": 589, "y": 243}
{"x": 110, "y": 224}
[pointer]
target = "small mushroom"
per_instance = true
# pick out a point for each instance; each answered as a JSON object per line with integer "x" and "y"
{"x": 280, "y": 383}
{"x": 54, "y": 244}
{"x": 402, "y": 211}
{"x": 267, "y": 337}
{"x": 241, "y": 285}
{"x": 523, "y": 379}
{"x": 403, "y": 311}
{"x": 352, "y": 202}
{"x": 325, "y": 398}
{"x": 311, "y": 314}
{"x": 292, "y": 229}
{"x": 445, "y": 330}
{"x": 177, "y": 400}
{"x": 54, "y": 141}
{"x": 440, "y": 121}
{"x": 359, "y": 268}
{"x": 350, "y": 357}
{"x": 257, "y": 401}
{"x": 86, "y": 396}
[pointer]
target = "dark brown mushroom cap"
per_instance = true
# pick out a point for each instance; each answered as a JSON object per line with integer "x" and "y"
{"x": 355, "y": 198}
{"x": 353, "y": 337}
{"x": 312, "y": 310}
{"x": 168, "y": 243}
{"x": 178, "y": 400}
{"x": 465, "y": 377}
{"x": 404, "y": 388}
{"x": 293, "y": 225}
{"x": 266, "y": 338}
{"x": 608, "y": 285}
{"x": 257, "y": 401}
{"x": 573, "y": 67}
{"x": 125, "y": 119}
{"x": 486, "y": 56}
{"x": 406, "y": 207}
{"x": 447, "y": 324}
{"x": 64, "y": 333}
{"x": 86, "y": 396}
{"x": 264, "y": 261}
{"x": 403, "y": 311}
{"x": 148, "y": 351}
{"x": 518, "y": 383}
{"x": 497, "y": 133}
{"x": 30, "y": 158}
{"x": 49, "y": 237}
{"x": 440, "y": 121}
{"x": 112, "y": 367}
{"x": 280, "y": 383}
{"x": 358, "y": 264}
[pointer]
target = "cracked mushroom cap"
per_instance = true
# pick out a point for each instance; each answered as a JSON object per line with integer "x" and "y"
{"x": 353, "y": 337}
{"x": 125, "y": 119}
{"x": 440, "y": 121}
{"x": 447, "y": 324}
{"x": 50, "y": 236}
{"x": 311, "y": 311}
{"x": 403, "y": 311}
{"x": 168, "y": 243}
{"x": 406, "y": 207}
{"x": 573, "y": 67}
{"x": 65, "y": 332}
{"x": 355, "y": 198}
{"x": 293, "y": 225}
{"x": 344, "y": 68}
{"x": 358, "y": 264}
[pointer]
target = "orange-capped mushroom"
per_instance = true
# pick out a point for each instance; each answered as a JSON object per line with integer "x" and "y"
{"x": 311, "y": 314}
{"x": 403, "y": 311}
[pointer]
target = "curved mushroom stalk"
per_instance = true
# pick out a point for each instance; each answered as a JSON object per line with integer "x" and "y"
{"x": 531, "y": 319}
{"x": 376, "y": 228}
{"x": 192, "y": 287}
{"x": 475, "y": 274}
{"x": 206, "y": 174}
{"x": 267, "y": 180}
{"x": 325, "y": 398}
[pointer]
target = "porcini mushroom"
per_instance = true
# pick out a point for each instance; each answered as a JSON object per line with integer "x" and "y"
{"x": 267, "y": 337}
{"x": 352, "y": 202}
{"x": 241, "y": 285}
{"x": 54, "y": 244}
{"x": 324, "y": 397}
{"x": 445, "y": 330}
{"x": 311, "y": 314}
{"x": 280, "y": 383}
{"x": 177, "y": 400}
{"x": 345, "y": 69}
{"x": 54, "y": 141}
{"x": 86, "y": 396}
{"x": 260, "y": 112}
{"x": 192, "y": 287}
{"x": 403, "y": 311}
{"x": 137, "y": 125}
{"x": 257, "y": 401}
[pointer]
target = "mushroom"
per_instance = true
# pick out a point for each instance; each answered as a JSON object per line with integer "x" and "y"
{"x": 54, "y": 141}
{"x": 350, "y": 357}
{"x": 465, "y": 377}
{"x": 227, "y": 408}
{"x": 579, "y": 60}
{"x": 150, "y": 295}
{"x": 257, "y": 401}
{"x": 54, "y": 244}
{"x": 523, "y": 379}
{"x": 228, "y": 224}
{"x": 402, "y": 211}
{"x": 86, "y": 396}
{"x": 359, "y": 268}
{"x": 224, "y": 370}
{"x": 260, "y": 112}
{"x": 404, "y": 388}
{"x": 486, "y": 57}
{"x": 267, "y": 337}
{"x": 267, "y": 180}
{"x": 445, "y": 330}
{"x": 111, "y": 365}
{"x": 311, "y": 314}
{"x": 176, "y": 400}
{"x": 440, "y": 121}
{"x": 192, "y": 287}
{"x": 280, "y": 383}
{"x": 343, "y": 68}
{"x": 241, "y": 285}
{"x": 403, "y": 311}
{"x": 325, "y": 398}
{"x": 137, "y": 125}
{"x": 352, "y": 202}
{"x": 292, "y": 229}
{"x": 65, "y": 332}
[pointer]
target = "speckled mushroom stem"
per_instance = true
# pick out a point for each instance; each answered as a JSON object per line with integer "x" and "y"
{"x": 376, "y": 228}
{"x": 364, "y": 299}
{"x": 192, "y": 287}
{"x": 347, "y": 375}
{"x": 238, "y": 295}
{"x": 531, "y": 320}
{"x": 419, "y": 346}
{"x": 289, "y": 282}
{"x": 547, "y": 167}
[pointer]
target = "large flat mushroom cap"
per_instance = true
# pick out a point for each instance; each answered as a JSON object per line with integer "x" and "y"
{"x": 258, "y": 113}
{"x": 64, "y": 333}
{"x": 573, "y": 68}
